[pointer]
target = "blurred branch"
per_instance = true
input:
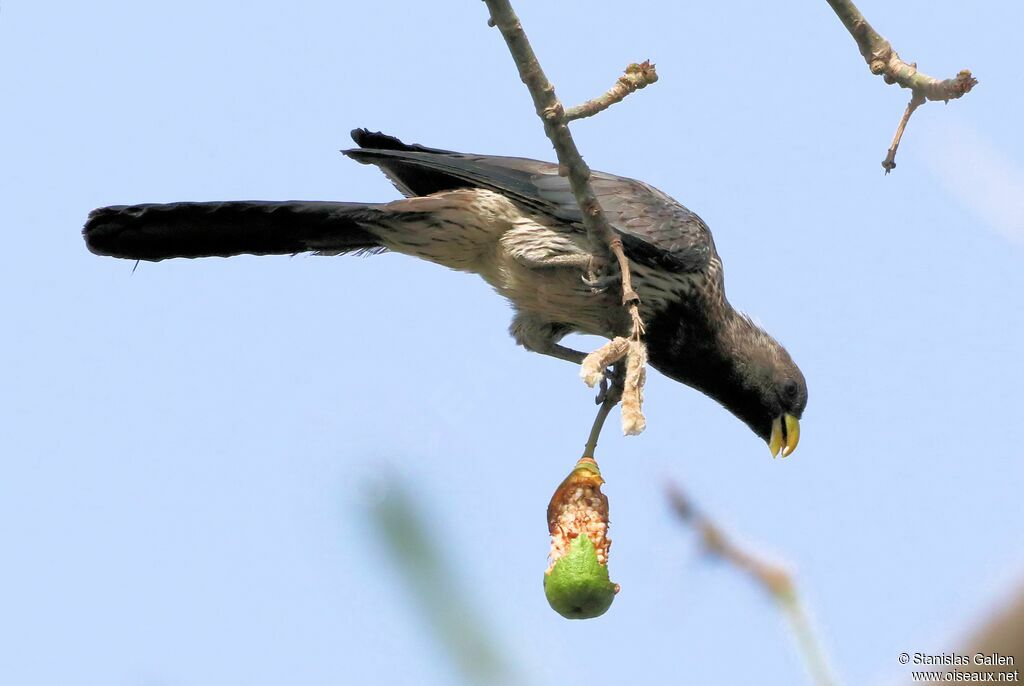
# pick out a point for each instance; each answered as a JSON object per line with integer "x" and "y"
{"x": 884, "y": 61}
{"x": 454, "y": 622}
{"x": 1002, "y": 633}
{"x": 773, "y": 578}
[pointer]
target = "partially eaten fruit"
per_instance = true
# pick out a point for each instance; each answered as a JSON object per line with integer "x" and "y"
{"x": 576, "y": 582}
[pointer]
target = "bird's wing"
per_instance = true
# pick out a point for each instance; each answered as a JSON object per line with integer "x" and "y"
{"x": 656, "y": 230}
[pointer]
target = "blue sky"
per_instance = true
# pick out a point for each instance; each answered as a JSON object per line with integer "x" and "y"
{"x": 189, "y": 451}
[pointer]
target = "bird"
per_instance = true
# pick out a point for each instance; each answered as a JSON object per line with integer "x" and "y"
{"x": 514, "y": 222}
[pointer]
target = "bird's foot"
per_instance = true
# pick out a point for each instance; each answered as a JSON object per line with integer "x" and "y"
{"x": 611, "y": 386}
{"x": 597, "y": 277}
{"x": 599, "y": 283}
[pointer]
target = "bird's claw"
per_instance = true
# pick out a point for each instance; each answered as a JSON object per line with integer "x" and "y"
{"x": 602, "y": 389}
{"x": 599, "y": 284}
{"x": 611, "y": 383}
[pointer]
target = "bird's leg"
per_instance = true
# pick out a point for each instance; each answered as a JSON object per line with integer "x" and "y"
{"x": 541, "y": 336}
{"x": 535, "y": 261}
{"x": 563, "y": 353}
{"x": 623, "y": 380}
{"x": 591, "y": 265}
{"x": 588, "y": 264}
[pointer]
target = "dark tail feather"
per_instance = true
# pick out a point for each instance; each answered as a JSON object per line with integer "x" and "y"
{"x": 222, "y": 229}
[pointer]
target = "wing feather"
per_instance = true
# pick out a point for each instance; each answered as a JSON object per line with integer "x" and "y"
{"x": 655, "y": 229}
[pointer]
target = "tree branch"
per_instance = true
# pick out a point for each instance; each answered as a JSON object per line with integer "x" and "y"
{"x": 551, "y": 112}
{"x": 883, "y": 60}
{"x": 635, "y": 77}
{"x": 773, "y": 578}
{"x": 571, "y": 165}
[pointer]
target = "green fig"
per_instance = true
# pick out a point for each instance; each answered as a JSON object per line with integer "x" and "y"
{"x": 576, "y": 582}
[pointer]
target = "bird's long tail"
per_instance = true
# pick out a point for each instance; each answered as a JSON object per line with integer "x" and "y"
{"x": 222, "y": 229}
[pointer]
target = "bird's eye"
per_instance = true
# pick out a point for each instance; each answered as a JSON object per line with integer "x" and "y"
{"x": 790, "y": 389}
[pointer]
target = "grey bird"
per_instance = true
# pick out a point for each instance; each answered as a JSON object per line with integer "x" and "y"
{"x": 515, "y": 222}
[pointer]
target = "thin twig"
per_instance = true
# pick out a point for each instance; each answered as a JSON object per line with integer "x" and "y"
{"x": 889, "y": 163}
{"x": 772, "y": 577}
{"x": 883, "y": 60}
{"x": 635, "y": 77}
{"x": 610, "y": 395}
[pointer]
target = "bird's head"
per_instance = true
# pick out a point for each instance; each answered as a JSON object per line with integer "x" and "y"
{"x": 769, "y": 391}
{"x": 742, "y": 367}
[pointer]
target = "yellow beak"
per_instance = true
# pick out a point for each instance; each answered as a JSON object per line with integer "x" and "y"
{"x": 785, "y": 435}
